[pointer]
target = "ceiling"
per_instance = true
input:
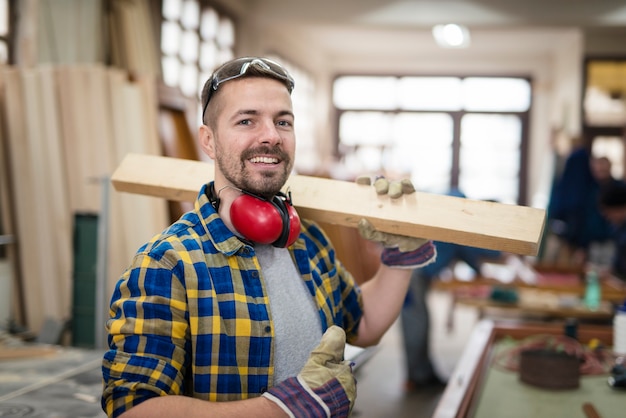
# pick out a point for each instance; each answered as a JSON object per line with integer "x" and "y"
{"x": 426, "y": 13}
{"x": 357, "y": 26}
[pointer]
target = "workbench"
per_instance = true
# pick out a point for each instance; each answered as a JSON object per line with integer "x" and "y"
{"x": 551, "y": 294}
{"x": 477, "y": 388}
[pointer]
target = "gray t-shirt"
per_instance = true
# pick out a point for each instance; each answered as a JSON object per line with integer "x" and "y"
{"x": 297, "y": 325}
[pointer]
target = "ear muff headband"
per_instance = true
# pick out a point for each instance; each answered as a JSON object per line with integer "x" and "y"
{"x": 291, "y": 221}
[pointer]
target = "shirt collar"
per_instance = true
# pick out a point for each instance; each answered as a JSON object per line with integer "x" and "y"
{"x": 223, "y": 238}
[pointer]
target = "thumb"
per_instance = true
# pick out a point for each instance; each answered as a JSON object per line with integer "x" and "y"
{"x": 367, "y": 231}
{"x": 331, "y": 346}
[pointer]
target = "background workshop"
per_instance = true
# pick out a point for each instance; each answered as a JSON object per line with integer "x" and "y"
{"x": 519, "y": 103}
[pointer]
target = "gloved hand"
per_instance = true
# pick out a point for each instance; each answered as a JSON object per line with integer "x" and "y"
{"x": 399, "y": 251}
{"x": 325, "y": 387}
{"x": 394, "y": 189}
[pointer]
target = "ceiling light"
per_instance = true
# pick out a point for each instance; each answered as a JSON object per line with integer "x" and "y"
{"x": 451, "y": 36}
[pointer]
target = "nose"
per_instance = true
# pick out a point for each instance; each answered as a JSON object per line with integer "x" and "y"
{"x": 269, "y": 133}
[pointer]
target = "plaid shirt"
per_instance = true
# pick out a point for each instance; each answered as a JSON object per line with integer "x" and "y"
{"x": 191, "y": 315}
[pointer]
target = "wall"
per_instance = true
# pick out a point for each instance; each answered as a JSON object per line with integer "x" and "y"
{"x": 606, "y": 41}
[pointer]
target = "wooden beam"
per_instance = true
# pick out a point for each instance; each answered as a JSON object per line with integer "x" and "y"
{"x": 497, "y": 226}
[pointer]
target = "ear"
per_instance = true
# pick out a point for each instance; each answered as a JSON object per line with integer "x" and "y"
{"x": 207, "y": 140}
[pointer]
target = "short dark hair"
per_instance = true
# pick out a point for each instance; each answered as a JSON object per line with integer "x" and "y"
{"x": 242, "y": 68}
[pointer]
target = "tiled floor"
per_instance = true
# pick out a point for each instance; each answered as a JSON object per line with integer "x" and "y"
{"x": 68, "y": 387}
{"x": 381, "y": 378}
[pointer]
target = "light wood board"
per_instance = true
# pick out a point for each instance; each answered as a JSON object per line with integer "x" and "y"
{"x": 491, "y": 225}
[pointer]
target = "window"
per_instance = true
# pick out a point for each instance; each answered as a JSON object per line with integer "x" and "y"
{"x": 5, "y": 31}
{"x": 604, "y": 109}
{"x": 605, "y": 89}
{"x": 442, "y": 132}
{"x": 195, "y": 39}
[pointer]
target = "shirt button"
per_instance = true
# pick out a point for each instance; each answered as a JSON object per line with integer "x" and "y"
{"x": 255, "y": 274}
{"x": 268, "y": 328}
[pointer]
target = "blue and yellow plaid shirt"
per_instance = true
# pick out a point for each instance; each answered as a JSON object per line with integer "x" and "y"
{"x": 191, "y": 314}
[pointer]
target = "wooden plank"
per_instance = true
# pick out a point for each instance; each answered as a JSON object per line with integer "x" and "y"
{"x": 23, "y": 203}
{"x": 74, "y": 111}
{"x": 8, "y": 225}
{"x": 510, "y": 228}
{"x": 58, "y": 240}
{"x": 44, "y": 242}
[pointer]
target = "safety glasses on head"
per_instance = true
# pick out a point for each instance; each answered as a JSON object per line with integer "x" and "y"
{"x": 225, "y": 73}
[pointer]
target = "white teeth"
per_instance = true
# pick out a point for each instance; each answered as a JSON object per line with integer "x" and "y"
{"x": 265, "y": 160}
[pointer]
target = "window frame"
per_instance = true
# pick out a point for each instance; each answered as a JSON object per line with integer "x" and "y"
{"x": 222, "y": 12}
{"x": 456, "y": 120}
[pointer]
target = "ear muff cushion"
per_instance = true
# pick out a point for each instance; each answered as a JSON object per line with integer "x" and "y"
{"x": 256, "y": 219}
{"x": 294, "y": 225}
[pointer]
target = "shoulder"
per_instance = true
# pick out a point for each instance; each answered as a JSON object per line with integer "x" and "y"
{"x": 313, "y": 233}
{"x": 183, "y": 236}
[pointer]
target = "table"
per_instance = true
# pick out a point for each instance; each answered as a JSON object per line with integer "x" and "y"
{"x": 550, "y": 293}
{"x": 603, "y": 314}
{"x": 477, "y": 389}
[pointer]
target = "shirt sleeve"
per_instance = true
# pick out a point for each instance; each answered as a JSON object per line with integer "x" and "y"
{"x": 147, "y": 328}
{"x": 352, "y": 305}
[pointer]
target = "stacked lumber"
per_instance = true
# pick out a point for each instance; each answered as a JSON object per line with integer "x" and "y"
{"x": 66, "y": 129}
{"x": 133, "y": 37}
{"x": 67, "y": 31}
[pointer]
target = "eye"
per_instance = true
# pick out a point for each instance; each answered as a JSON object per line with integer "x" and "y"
{"x": 244, "y": 122}
{"x": 285, "y": 123}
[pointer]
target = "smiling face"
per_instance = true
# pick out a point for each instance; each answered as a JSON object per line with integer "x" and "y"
{"x": 251, "y": 137}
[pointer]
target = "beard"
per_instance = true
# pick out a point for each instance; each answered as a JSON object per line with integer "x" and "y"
{"x": 235, "y": 171}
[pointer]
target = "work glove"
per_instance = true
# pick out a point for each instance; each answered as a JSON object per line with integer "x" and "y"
{"x": 325, "y": 387}
{"x": 399, "y": 251}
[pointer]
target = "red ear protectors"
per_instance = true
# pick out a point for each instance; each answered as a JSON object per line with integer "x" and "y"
{"x": 261, "y": 220}
{"x": 264, "y": 221}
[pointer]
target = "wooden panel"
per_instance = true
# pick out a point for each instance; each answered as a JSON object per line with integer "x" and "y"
{"x": 57, "y": 236}
{"x": 22, "y": 179}
{"x": 7, "y": 217}
{"x": 515, "y": 229}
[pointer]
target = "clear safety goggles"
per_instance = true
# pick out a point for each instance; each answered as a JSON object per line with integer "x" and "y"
{"x": 268, "y": 66}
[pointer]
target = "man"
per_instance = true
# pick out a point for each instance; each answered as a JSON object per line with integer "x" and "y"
{"x": 231, "y": 304}
{"x": 574, "y": 218}
{"x": 613, "y": 205}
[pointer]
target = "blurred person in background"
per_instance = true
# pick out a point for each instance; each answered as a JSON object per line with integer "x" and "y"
{"x": 582, "y": 233}
{"x": 613, "y": 205}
